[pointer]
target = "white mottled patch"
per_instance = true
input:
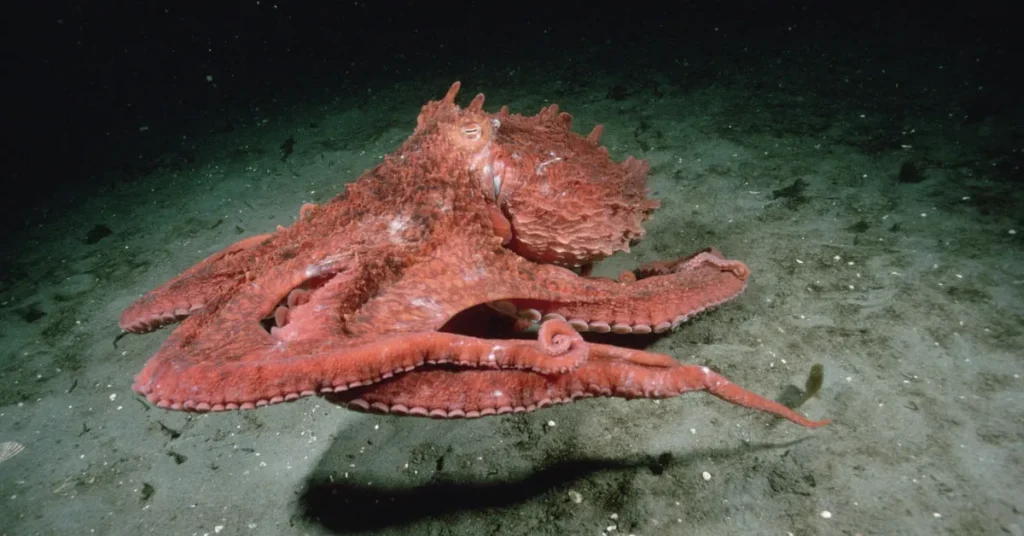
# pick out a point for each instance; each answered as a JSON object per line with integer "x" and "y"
{"x": 554, "y": 158}
{"x": 429, "y": 305}
{"x": 424, "y": 302}
{"x": 481, "y": 159}
{"x": 496, "y": 181}
{"x": 496, "y": 351}
{"x": 396, "y": 227}
{"x": 476, "y": 271}
{"x": 328, "y": 264}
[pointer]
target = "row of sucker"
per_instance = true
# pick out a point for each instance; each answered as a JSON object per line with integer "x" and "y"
{"x": 532, "y": 314}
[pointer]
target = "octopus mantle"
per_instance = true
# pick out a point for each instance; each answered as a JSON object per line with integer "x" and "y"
{"x": 388, "y": 297}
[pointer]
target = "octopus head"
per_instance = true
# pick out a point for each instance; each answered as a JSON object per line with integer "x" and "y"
{"x": 566, "y": 201}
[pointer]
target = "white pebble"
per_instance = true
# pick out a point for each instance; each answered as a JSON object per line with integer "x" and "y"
{"x": 706, "y": 475}
{"x": 825, "y": 514}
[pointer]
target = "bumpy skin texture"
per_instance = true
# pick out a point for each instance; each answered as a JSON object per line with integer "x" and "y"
{"x": 357, "y": 300}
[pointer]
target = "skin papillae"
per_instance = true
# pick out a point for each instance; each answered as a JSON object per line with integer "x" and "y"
{"x": 370, "y": 299}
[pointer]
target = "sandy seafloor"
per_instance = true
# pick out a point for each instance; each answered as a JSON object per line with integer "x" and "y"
{"x": 908, "y": 291}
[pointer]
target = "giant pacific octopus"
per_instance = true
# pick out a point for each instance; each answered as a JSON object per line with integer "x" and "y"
{"x": 373, "y": 299}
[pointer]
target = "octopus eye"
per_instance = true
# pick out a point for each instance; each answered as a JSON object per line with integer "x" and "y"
{"x": 472, "y": 131}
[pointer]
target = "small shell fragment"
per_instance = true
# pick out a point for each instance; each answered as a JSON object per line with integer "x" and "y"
{"x": 10, "y": 449}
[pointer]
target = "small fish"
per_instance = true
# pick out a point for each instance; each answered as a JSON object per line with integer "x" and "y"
{"x": 813, "y": 384}
{"x": 286, "y": 148}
